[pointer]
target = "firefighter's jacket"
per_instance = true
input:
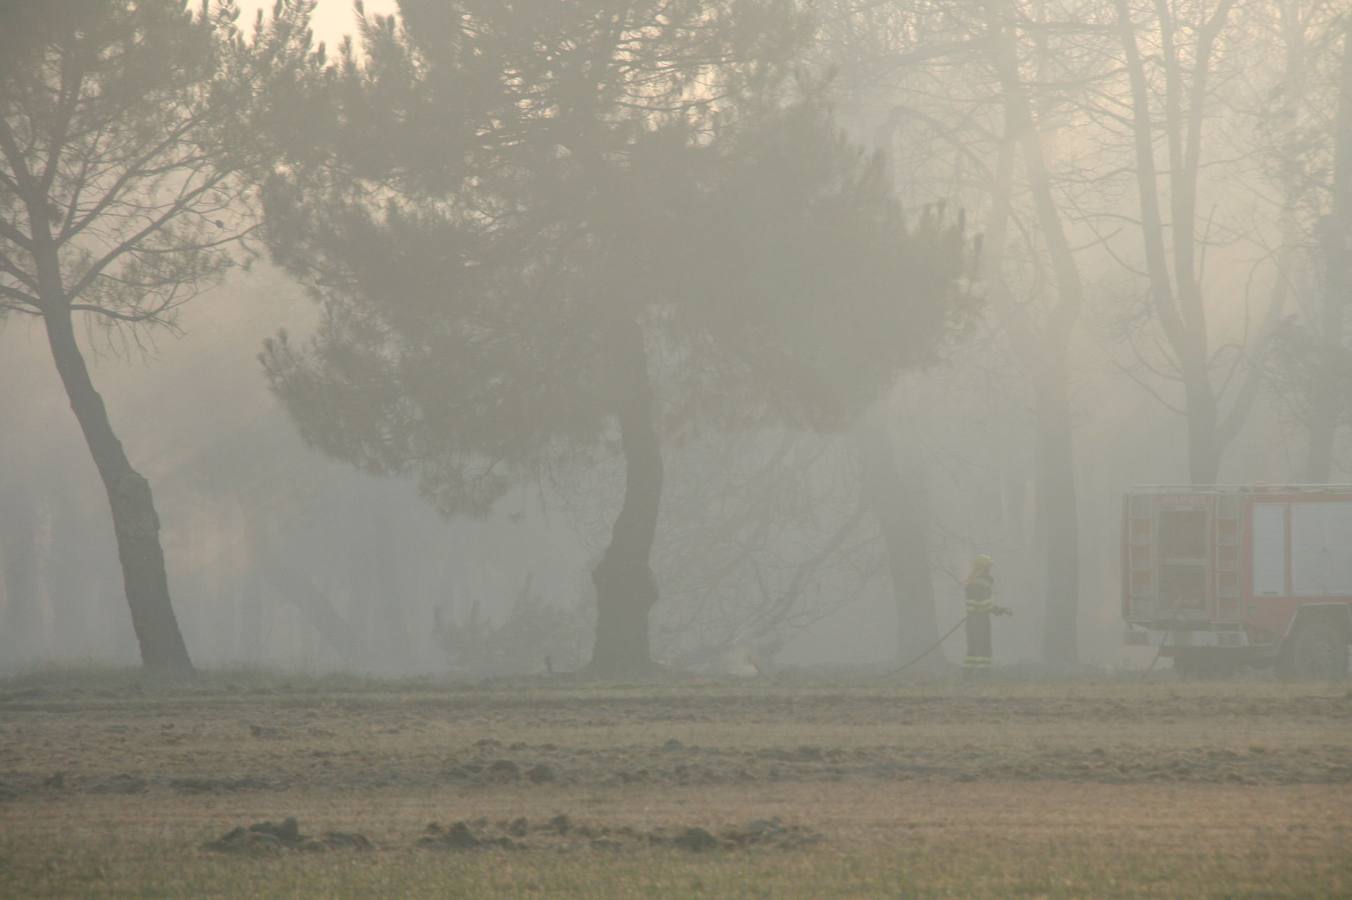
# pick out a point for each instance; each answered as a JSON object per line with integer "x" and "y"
{"x": 980, "y": 594}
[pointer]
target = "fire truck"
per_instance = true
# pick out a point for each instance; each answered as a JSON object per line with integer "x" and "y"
{"x": 1220, "y": 577}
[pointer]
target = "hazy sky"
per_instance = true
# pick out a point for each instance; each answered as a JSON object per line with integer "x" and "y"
{"x": 333, "y": 18}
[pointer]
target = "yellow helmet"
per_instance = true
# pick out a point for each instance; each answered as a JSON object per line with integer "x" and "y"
{"x": 982, "y": 563}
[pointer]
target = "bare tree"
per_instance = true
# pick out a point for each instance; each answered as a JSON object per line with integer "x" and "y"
{"x": 1043, "y": 338}
{"x": 894, "y": 482}
{"x": 1328, "y": 405}
{"x": 1171, "y": 92}
{"x": 114, "y": 206}
{"x": 1311, "y": 145}
{"x": 981, "y": 88}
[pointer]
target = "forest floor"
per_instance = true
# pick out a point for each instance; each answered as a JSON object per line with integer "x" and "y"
{"x": 790, "y": 787}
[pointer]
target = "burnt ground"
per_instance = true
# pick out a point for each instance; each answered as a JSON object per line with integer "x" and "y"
{"x": 119, "y": 776}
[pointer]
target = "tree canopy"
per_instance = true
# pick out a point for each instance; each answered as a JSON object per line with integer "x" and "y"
{"x": 579, "y": 216}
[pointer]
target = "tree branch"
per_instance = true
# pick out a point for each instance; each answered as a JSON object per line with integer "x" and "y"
{"x": 7, "y": 291}
{"x": 176, "y": 208}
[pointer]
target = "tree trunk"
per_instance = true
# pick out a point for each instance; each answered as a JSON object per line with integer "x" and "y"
{"x": 1327, "y": 398}
{"x": 379, "y": 596}
{"x": 1045, "y": 349}
{"x": 301, "y": 592}
{"x": 1060, "y": 520}
{"x": 900, "y": 503}
{"x": 1045, "y": 352}
{"x": 135, "y": 522}
{"x": 626, "y": 590}
{"x": 1204, "y": 450}
{"x": 1178, "y": 296}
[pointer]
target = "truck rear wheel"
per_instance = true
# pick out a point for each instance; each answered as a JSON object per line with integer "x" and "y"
{"x": 1317, "y": 650}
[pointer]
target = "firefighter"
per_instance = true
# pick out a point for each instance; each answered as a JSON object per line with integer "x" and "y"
{"x": 980, "y": 590}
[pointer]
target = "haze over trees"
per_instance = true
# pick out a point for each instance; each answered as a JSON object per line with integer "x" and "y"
{"x": 755, "y": 318}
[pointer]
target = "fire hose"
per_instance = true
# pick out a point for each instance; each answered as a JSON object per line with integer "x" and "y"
{"x": 998, "y": 611}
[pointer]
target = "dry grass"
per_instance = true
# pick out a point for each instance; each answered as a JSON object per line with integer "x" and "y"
{"x": 1065, "y": 789}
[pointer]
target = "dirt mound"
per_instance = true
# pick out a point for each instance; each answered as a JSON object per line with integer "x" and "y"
{"x": 756, "y": 833}
{"x": 541, "y": 774}
{"x": 467, "y": 836}
{"x": 263, "y": 838}
{"x": 502, "y": 771}
{"x": 771, "y": 832}
{"x": 695, "y": 839}
{"x": 562, "y": 833}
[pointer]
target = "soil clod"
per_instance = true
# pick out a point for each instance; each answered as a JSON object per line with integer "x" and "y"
{"x": 464, "y": 836}
{"x": 263, "y": 838}
{"x": 503, "y": 770}
{"x": 695, "y": 839}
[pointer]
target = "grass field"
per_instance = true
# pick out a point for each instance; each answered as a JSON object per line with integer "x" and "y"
{"x": 767, "y": 788}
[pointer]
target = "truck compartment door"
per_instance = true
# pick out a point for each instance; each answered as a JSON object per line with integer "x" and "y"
{"x": 1269, "y": 549}
{"x": 1184, "y": 562}
{"x": 1321, "y": 549}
